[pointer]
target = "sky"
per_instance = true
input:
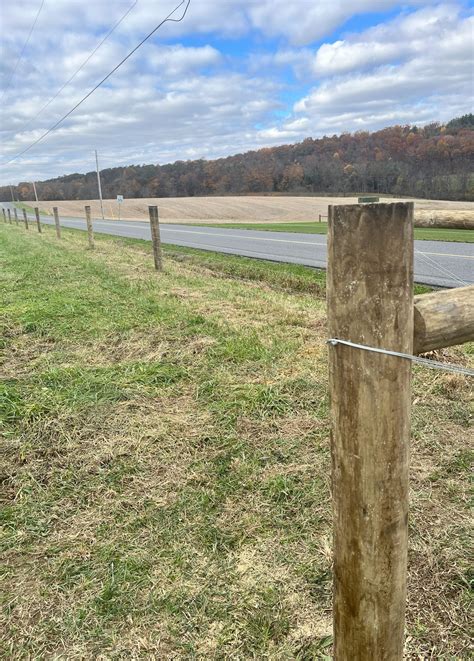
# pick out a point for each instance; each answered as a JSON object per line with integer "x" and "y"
{"x": 234, "y": 75}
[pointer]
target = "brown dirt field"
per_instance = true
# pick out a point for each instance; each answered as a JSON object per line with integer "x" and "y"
{"x": 247, "y": 209}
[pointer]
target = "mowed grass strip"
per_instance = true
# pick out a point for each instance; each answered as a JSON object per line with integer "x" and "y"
{"x": 421, "y": 233}
{"x": 166, "y": 464}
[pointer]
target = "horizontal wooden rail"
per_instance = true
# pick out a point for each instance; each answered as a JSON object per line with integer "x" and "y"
{"x": 443, "y": 319}
{"x": 445, "y": 221}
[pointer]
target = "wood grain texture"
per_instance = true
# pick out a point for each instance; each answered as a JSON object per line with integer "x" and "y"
{"x": 370, "y": 301}
{"x": 155, "y": 237}
{"x": 56, "y": 222}
{"x": 38, "y": 222}
{"x": 90, "y": 230}
{"x": 443, "y": 319}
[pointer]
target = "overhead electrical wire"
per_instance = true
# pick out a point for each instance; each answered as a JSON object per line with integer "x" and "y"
{"x": 55, "y": 96}
{"x": 7, "y": 87}
{"x": 150, "y": 34}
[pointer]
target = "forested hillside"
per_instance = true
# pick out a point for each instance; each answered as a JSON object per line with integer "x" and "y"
{"x": 435, "y": 161}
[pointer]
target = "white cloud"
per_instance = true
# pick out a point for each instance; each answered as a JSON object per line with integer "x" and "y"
{"x": 414, "y": 69}
{"x": 184, "y": 96}
{"x": 305, "y": 21}
{"x": 416, "y": 33}
{"x": 177, "y": 60}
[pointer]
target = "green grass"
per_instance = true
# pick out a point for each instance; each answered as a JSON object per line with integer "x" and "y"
{"x": 166, "y": 463}
{"x": 31, "y": 210}
{"x": 279, "y": 275}
{"x": 421, "y": 233}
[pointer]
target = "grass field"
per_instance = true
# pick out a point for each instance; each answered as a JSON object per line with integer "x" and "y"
{"x": 166, "y": 464}
{"x": 31, "y": 209}
{"x": 249, "y": 208}
{"x": 421, "y": 233}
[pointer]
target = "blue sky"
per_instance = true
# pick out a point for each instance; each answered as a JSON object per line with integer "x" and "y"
{"x": 234, "y": 75}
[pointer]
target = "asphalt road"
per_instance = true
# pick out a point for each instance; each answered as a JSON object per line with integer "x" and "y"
{"x": 438, "y": 263}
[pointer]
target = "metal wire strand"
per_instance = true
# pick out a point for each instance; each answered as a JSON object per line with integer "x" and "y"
{"x": 150, "y": 34}
{"x": 79, "y": 69}
{"x": 426, "y": 362}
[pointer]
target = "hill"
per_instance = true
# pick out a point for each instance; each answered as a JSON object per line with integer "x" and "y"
{"x": 432, "y": 161}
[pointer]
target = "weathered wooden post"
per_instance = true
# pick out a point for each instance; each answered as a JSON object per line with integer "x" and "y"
{"x": 38, "y": 223}
{"x": 9, "y": 216}
{"x": 370, "y": 302}
{"x": 56, "y": 222}
{"x": 155, "y": 237}
{"x": 25, "y": 219}
{"x": 443, "y": 319}
{"x": 15, "y": 213}
{"x": 4, "y": 215}
{"x": 90, "y": 231}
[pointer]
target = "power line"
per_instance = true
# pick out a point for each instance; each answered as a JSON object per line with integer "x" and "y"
{"x": 150, "y": 34}
{"x": 22, "y": 51}
{"x": 114, "y": 27}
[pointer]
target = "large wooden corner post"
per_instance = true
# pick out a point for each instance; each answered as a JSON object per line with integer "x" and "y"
{"x": 370, "y": 302}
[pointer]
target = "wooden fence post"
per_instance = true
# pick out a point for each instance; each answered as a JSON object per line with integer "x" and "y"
{"x": 9, "y": 216}
{"x": 4, "y": 215}
{"x": 56, "y": 222}
{"x": 155, "y": 237}
{"x": 38, "y": 223}
{"x": 370, "y": 302}
{"x": 15, "y": 213}
{"x": 90, "y": 231}
{"x": 25, "y": 219}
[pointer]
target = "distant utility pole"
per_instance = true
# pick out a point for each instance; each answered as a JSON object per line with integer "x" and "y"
{"x": 36, "y": 194}
{"x": 98, "y": 183}
{"x": 11, "y": 191}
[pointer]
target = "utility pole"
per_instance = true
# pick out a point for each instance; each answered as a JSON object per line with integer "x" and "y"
{"x": 11, "y": 191}
{"x": 98, "y": 183}
{"x": 36, "y": 194}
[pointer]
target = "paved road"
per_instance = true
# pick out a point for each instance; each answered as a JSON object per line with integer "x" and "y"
{"x": 438, "y": 263}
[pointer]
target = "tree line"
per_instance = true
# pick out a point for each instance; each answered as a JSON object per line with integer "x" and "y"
{"x": 434, "y": 161}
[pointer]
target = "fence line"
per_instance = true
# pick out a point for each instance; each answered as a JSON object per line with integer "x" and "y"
{"x": 427, "y": 362}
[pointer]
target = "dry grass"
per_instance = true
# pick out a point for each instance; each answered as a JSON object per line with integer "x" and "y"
{"x": 246, "y": 209}
{"x": 166, "y": 462}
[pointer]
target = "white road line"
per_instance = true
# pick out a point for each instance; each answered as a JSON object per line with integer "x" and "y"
{"x": 304, "y": 243}
{"x": 228, "y": 234}
{"x": 446, "y": 254}
{"x": 237, "y": 236}
{"x": 267, "y": 256}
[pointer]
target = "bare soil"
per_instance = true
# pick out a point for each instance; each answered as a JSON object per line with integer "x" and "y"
{"x": 247, "y": 209}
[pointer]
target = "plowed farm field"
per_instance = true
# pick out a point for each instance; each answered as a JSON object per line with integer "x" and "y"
{"x": 247, "y": 209}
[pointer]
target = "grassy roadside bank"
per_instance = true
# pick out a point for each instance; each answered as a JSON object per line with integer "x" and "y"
{"x": 421, "y": 233}
{"x": 166, "y": 460}
{"x": 31, "y": 210}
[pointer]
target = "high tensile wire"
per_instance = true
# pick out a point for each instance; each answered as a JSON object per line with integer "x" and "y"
{"x": 61, "y": 120}
{"x": 69, "y": 80}
{"x": 7, "y": 87}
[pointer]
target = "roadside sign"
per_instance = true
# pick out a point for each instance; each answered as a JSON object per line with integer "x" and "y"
{"x": 368, "y": 199}
{"x": 119, "y": 202}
